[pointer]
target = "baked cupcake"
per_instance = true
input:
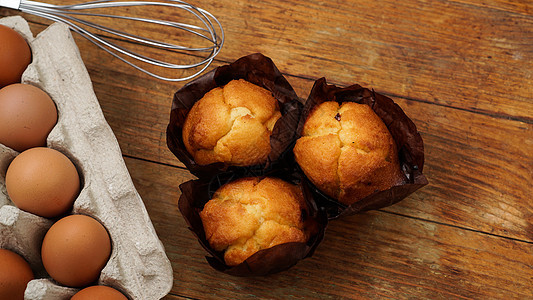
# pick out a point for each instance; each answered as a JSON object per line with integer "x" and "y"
{"x": 231, "y": 124}
{"x": 247, "y": 124}
{"x": 252, "y": 214}
{"x": 347, "y": 152}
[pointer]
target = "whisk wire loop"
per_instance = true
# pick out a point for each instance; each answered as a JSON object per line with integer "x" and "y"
{"x": 211, "y": 32}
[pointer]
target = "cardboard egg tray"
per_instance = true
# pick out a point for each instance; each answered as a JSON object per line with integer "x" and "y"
{"x": 138, "y": 265}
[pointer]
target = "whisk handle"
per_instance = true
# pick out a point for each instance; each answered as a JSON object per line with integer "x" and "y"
{"x": 15, "y": 4}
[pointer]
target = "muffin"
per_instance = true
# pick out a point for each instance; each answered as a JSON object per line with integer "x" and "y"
{"x": 347, "y": 152}
{"x": 231, "y": 124}
{"x": 252, "y": 214}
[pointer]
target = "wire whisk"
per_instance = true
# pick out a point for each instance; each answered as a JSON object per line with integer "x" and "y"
{"x": 209, "y": 31}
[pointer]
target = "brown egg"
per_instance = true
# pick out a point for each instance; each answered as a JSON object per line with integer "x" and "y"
{"x": 27, "y": 115}
{"x": 42, "y": 181}
{"x": 75, "y": 250}
{"x": 15, "y": 56}
{"x": 99, "y": 292}
{"x": 15, "y": 273}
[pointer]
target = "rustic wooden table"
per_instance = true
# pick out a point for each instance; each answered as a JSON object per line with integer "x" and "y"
{"x": 462, "y": 70}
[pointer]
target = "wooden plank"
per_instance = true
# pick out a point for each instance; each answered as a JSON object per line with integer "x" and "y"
{"x": 439, "y": 51}
{"x": 376, "y": 254}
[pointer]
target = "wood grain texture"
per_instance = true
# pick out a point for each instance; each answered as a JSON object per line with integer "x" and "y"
{"x": 461, "y": 69}
{"x": 523, "y": 7}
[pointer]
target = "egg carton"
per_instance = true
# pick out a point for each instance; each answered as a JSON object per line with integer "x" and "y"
{"x": 138, "y": 265}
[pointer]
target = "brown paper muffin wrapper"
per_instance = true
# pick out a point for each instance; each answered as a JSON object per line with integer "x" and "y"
{"x": 257, "y": 69}
{"x": 403, "y": 130}
{"x": 196, "y": 193}
{"x": 260, "y": 70}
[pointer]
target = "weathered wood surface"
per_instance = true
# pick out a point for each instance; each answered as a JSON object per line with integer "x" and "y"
{"x": 462, "y": 70}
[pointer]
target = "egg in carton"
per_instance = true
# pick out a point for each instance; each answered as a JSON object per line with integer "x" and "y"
{"x": 138, "y": 265}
